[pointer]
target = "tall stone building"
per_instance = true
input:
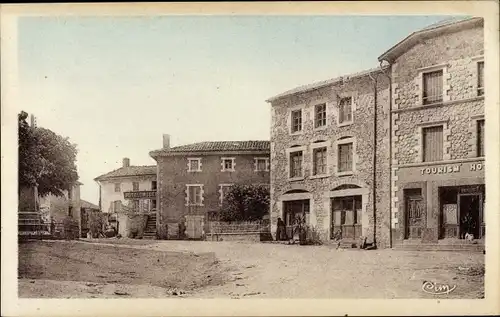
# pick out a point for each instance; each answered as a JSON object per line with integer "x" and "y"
{"x": 330, "y": 158}
{"x": 438, "y": 134}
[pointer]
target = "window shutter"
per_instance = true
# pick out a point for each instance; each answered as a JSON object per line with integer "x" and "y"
{"x": 480, "y": 138}
{"x": 433, "y": 144}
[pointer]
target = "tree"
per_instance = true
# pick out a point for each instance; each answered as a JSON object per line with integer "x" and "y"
{"x": 46, "y": 159}
{"x": 245, "y": 203}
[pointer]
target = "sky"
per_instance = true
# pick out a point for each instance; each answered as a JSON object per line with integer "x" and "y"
{"x": 115, "y": 85}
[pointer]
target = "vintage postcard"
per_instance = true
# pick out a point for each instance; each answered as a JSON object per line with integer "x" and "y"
{"x": 250, "y": 158}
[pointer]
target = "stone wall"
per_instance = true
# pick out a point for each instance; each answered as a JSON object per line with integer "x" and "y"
{"x": 361, "y": 130}
{"x": 132, "y": 225}
{"x": 457, "y": 54}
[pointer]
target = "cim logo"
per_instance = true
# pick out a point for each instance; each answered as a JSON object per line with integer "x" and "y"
{"x": 436, "y": 288}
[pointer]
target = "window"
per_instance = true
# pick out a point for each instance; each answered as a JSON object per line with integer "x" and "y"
{"x": 320, "y": 115}
{"x": 224, "y": 189}
{"x": 70, "y": 194}
{"x": 345, "y": 158}
{"x": 480, "y": 138}
{"x": 117, "y": 205}
{"x": 194, "y": 165}
{"x": 118, "y": 187}
{"x": 296, "y": 164}
{"x": 194, "y": 195}
{"x": 432, "y": 143}
{"x": 319, "y": 161}
{"x": 135, "y": 205}
{"x": 480, "y": 78}
{"x": 70, "y": 211}
{"x": 432, "y": 87}
{"x": 261, "y": 164}
{"x": 228, "y": 164}
{"x": 153, "y": 204}
{"x": 135, "y": 186}
{"x": 296, "y": 121}
{"x": 154, "y": 185}
{"x": 345, "y": 110}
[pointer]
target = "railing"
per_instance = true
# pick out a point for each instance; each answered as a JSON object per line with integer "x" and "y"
{"x": 32, "y": 224}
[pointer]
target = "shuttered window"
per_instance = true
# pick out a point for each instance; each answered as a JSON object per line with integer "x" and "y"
{"x": 480, "y": 78}
{"x": 345, "y": 157}
{"x": 194, "y": 195}
{"x": 345, "y": 110}
{"x": 480, "y": 138}
{"x": 432, "y": 144}
{"x": 433, "y": 87}
{"x": 319, "y": 167}
{"x": 296, "y": 164}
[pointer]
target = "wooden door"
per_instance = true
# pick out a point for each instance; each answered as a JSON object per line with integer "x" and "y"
{"x": 194, "y": 226}
{"x": 415, "y": 215}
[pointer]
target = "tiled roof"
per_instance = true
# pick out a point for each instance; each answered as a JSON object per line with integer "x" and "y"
{"x": 89, "y": 205}
{"x": 219, "y": 146}
{"x": 321, "y": 84}
{"x": 446, "y": 22}
{"x": 129, "y": 171}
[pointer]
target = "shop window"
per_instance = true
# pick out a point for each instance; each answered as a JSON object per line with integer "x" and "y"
{"x": 432, "y": 143}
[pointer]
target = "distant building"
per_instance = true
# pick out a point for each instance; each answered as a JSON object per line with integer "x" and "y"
{"x": 438, "y": 132}
{"x": 86, "y": 209}
{"x": 128, "y": 190}
{"x": 330, "y": 158}
{"x": 193, "y": 178}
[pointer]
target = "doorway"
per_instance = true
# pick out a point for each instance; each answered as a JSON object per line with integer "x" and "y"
{"x": 469, "y": 206}
{"x": 346, "y": 217}
{"x": 414, "y": 213}
{"x": 294, "y": 211}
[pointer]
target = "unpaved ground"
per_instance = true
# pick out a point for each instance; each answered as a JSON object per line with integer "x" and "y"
{"x": 75, "y": 269}
{"x": 258, "y": 270}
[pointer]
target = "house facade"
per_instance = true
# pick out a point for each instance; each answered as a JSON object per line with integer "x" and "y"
{"x": 193, "y": 178}
{"x": 438, "y": 191}
{"x": 128, "y": 188}
{"x": 330, "y": 157}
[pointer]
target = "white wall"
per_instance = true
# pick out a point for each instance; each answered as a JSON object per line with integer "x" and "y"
{"x": 108, "y": 194}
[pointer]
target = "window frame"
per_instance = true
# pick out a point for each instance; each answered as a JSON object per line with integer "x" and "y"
{"x": 340, "y": 109}
{"x": 480, "y": 151}
{"x": 223, "y": 164}
{"x": 188, "y": 196}
{"x": 324, "y": 117}
{"x": 134, "y": 188}
{"x": 221, "y": 192}
{"x": 480, "y": 89}
{"x": 315, "y": 146}
{"x": 292, "y": 121}
{"x": 256, "y": 164}
{"x": 420, "y": 83}
{"x": 422, "y": 141}
{"x": 343, "y": 141}
{"x": 190, "y": 159}
{"x": 118, "y": 187}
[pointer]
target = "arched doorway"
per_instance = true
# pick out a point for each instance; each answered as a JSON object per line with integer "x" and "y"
{"x": 296, "y": 208}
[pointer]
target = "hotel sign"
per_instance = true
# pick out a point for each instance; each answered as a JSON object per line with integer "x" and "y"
{"x": 447, "y": 169}
{"x": 140, "y": 194}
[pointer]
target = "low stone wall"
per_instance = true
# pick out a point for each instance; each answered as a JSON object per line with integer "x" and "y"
{"x": 244, "y": 236}
{"x": 132, "y": 225}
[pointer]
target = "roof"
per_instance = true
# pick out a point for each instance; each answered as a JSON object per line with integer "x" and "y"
{"x": 217, "y": 146}
{"x": 129, "y": 171}
{"x": 88, "y": 205}
{"x": 324, "y": 83}
{"x": 447, "y": 25}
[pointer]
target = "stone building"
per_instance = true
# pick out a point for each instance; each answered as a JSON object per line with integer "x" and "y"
{"x": 330, "y": 157}
{"x": 193, "y": 178}
{"x": 438, "y": 133}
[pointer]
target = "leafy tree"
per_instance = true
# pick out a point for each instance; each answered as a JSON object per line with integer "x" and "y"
{"x": 46, "y": 159}
{"x": 245, "y": 203}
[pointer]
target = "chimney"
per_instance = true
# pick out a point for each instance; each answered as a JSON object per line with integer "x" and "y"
{"x": 33, "y": 121}
{"x": 126, "y": 162}
{"x": 166, "y": 141}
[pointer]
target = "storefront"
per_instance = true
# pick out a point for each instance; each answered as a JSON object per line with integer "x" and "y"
{"x": 440, "y": 202}
{"x": 141, "y": 201}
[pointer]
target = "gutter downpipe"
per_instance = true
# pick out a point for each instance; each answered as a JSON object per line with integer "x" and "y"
{"x": 374, "y": 186}
{"x": 390, "y": 145}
